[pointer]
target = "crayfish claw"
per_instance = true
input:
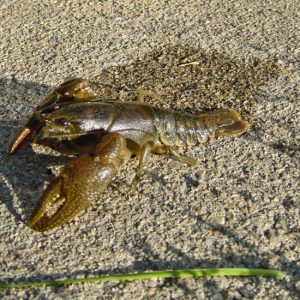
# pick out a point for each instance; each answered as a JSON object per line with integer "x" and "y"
{"x": 69, "y": 192}
{"x": 50, "y": 196}
{"x": 21, "y": 136}
{"x": 65, "y": 212}
{"x": 77, "y": 88}
{"x": 80, "y": 183}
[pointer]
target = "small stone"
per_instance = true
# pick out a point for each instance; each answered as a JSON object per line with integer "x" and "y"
{"x": 220, "y": 220}
{"x": 175, "y": 165}
{"x": 217, "y": 296}
{"x": 2, "y": 247}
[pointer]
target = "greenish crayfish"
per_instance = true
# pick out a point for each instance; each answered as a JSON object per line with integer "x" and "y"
{"x": 105, "y": 135}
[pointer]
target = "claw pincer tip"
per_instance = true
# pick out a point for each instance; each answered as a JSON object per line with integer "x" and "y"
{"x": 19, "y": 140}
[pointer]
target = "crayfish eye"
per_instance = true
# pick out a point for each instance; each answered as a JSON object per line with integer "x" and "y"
{"x": 62, "y": 122}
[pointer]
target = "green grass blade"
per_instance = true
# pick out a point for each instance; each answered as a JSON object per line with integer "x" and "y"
{"x": 157, "y": 274}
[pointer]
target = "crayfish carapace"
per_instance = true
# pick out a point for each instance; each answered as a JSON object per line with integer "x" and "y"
{"x": 105, "y": 135}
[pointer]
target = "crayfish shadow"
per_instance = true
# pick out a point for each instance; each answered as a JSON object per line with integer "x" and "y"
{"x": 23, "y": 176}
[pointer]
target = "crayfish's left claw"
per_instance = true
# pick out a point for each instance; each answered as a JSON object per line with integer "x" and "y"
{"x": 66, "y": 211}
{"x": 50, "y": 196}
{"x": 80, "y": 183}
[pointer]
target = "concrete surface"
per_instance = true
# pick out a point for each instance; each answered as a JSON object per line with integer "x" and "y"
{"x": 239, "y": 207}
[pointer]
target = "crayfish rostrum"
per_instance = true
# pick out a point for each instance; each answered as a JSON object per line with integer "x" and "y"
{"x": 103, "y": 135}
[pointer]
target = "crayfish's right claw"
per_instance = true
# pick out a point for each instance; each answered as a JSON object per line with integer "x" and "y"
{"x": 77, "y": 88}
{"x": 27, "y": 131}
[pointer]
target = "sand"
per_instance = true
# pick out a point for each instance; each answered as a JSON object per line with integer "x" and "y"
{"x": 239, "y": 207}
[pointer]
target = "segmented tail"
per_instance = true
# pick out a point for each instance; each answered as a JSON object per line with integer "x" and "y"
{"x": 176, "y": 129}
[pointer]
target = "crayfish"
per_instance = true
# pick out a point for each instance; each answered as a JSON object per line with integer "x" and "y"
{"x": 103, "y": 135}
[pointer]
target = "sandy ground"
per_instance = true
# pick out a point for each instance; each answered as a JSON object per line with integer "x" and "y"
{"x": 238, "y": 208}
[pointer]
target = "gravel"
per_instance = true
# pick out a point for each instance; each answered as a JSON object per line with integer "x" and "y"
{"x": 239, "y": 207}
